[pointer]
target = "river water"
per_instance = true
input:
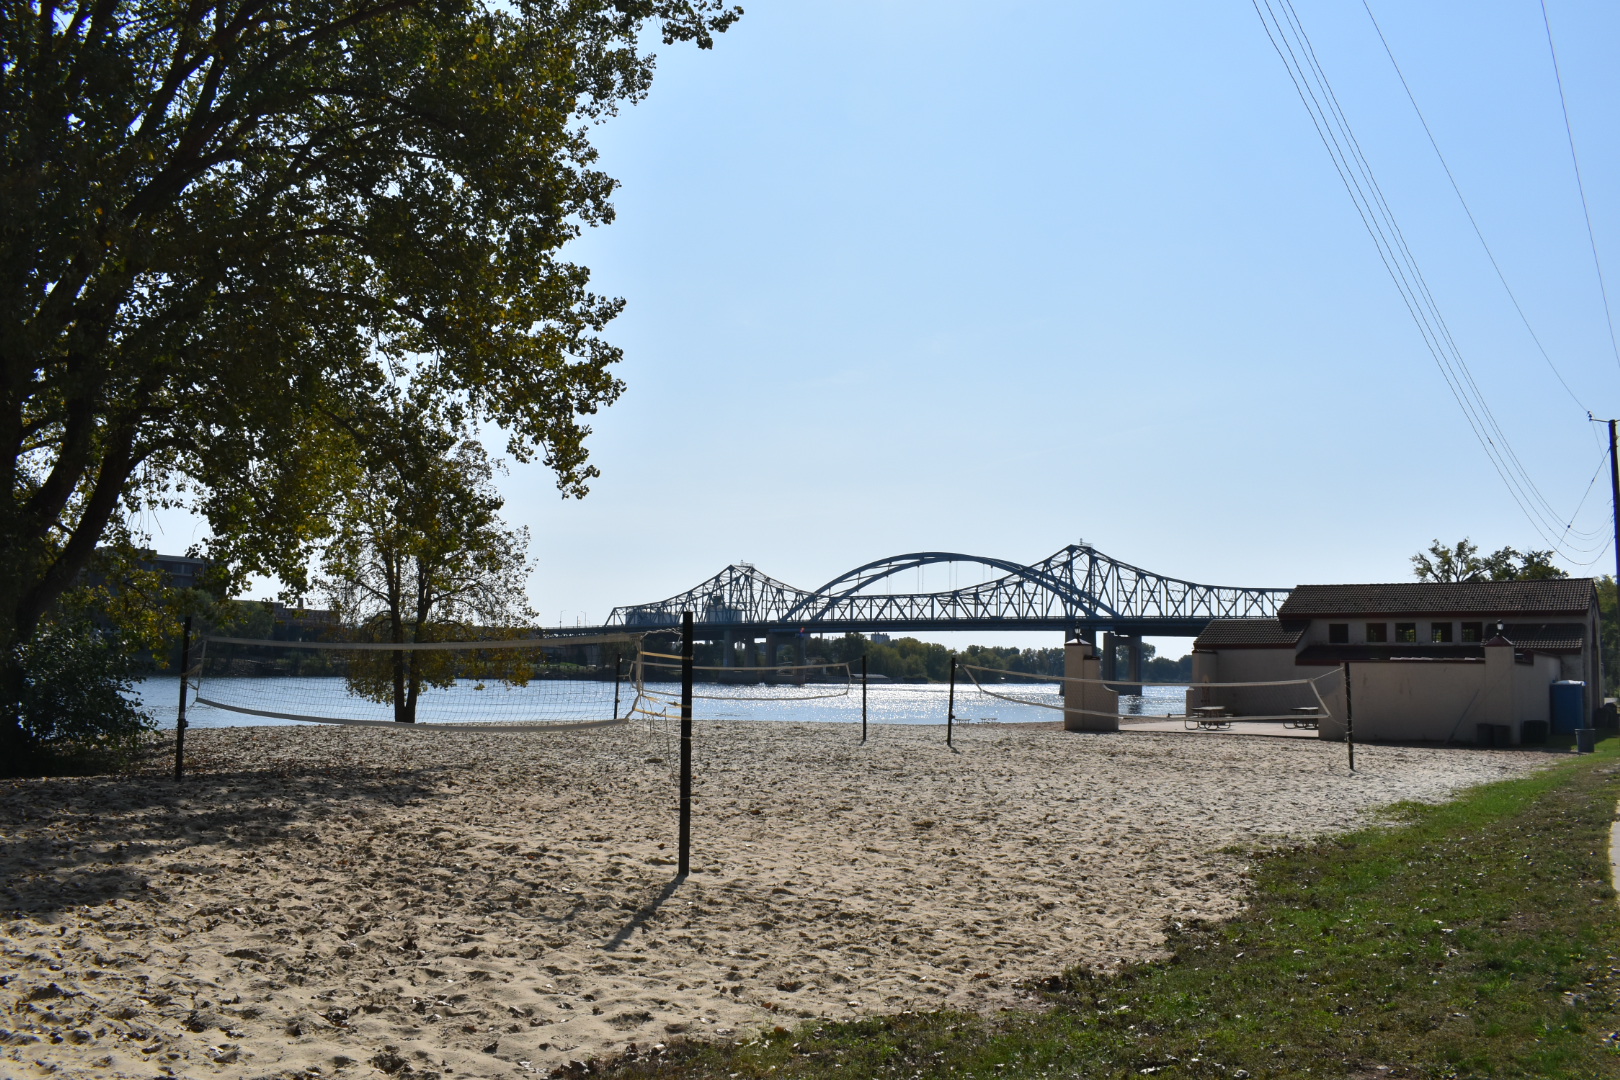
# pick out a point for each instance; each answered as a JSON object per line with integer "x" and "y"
{"x": 541, "y": 702}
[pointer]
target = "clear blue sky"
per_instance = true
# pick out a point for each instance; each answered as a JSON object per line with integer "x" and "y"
{"x": 992, "y": 278}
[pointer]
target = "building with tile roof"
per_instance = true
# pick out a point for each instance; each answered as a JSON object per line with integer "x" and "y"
{"x": 1428, "y": 661}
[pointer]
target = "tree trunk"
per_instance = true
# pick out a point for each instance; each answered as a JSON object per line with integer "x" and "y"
{"x": 413, "y": 688}
{"x": 16, "y": 748}
{"x": 404, "y": 711}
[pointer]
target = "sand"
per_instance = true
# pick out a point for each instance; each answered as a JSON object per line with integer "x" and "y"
{"x": 320, "y": 902}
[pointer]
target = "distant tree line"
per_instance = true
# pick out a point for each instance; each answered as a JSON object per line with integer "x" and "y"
{"x": 907, "y": 659}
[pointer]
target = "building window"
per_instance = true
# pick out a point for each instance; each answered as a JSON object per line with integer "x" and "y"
{"x": 1473, "y": 631}
{"x": 1338, "y": 633}
{"x": 1377, "y": 632}
{"x": 1441, "y": 632}
{"x": 1406, "y": 632}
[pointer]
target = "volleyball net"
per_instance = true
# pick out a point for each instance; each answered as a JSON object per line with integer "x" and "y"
{"x": 503, "y": 685}
{"x": 510, "y": 685}
{"x": 658, "y": 683}
{"x": 1270, "y": 701}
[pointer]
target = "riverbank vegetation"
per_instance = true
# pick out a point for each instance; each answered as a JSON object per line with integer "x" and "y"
{"x": 1479, "y": 938}
{"x": 908, "y": 658}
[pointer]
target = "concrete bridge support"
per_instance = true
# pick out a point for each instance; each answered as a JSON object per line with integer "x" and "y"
{"x": 728, "y": 652}
{"x": 1131, "y": 677}
{"x": 1133, "y": 665}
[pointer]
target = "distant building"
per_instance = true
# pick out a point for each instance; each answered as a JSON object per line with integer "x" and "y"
{"x": 302, "y": 623}
{"x": 1428, "y": 661}
{"x": 880, "y": 639}
{"x": 183, "y": 571}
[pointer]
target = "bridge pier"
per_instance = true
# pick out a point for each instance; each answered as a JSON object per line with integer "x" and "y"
{"x": 1133, "y": 665}
{"x": 1131, "y": 679}
{"x": 728, "y": 651}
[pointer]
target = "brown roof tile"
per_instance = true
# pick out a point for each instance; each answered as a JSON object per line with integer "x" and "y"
{"x": 1562, "y": 596}
{"x": 1250, "y": 633}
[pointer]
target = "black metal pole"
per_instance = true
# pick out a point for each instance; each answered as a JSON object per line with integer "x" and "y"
{"x": 950, "y": 704}
{"x": 1614, "y": 487}
{"x": 1349, "y": 719}
{"x": 863, "y": 697}
{"x": 618, "y": 679}
{"x": 686, "y": 746}
{"x": 180, "y": 720}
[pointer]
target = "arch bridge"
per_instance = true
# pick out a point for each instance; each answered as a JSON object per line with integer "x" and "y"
{"x": 1077, "y": 589}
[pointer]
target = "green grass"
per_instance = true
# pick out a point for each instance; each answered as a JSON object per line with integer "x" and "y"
{"x": 1475, "y": 939}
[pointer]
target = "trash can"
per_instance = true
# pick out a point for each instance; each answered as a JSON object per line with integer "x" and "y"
{"x": 1584, "y": 739}
{"x": 1568, "y": 706}
{"x": 1605, "y": 715}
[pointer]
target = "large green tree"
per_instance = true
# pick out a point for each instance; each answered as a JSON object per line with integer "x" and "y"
{"x": 224, "y": 223}
{"x": 1463, "y": 562}
{"x": 420, "y": 554}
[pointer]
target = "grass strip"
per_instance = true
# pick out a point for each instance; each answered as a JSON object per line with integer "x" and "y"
{"x": 1478, "y": 938}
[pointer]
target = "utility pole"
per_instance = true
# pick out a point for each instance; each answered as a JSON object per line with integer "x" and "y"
{"x": 1614, "y": 492}
{"x": 1614, "y": 488}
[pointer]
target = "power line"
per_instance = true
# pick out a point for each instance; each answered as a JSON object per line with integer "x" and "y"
{"x": 1288, "y": 37}
{"x": 1475, "y": 397}
{"x": 1489, "y": 254}
{"x": 1580, "y": 185}
{"x": 1603, "y": 459}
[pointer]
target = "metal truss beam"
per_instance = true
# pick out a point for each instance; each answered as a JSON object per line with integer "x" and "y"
{"x": 1077, "y": 587}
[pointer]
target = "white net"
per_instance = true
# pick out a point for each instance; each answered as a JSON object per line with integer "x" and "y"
{"x": 658, "y": 683}
{"x": 1296, "y": 702}
{"x": 516, "y": 685}
{"x": 658, "y": 689}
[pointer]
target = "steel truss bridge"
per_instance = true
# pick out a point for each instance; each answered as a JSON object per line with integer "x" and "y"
{"x": 1075, "y": 589}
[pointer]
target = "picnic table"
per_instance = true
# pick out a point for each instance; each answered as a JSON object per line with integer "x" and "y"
{"x": 1305, "y": 716}
{"x": 1210, "y": 718}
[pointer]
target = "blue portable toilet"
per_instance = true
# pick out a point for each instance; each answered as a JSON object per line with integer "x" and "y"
{"x": 1568, "y": 706}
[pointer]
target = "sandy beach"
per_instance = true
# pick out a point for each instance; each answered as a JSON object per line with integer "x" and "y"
{"x": 320, "y": 902}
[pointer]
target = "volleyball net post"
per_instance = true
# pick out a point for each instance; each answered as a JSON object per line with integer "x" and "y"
{"x": 618, "y": 681}
{"x": 1349, "y": 721}
{"x": 950, "y": 704}
{"x": 863, "y": 697}
{"x": 684, "y": 866}
{"x": 180, "y": 717}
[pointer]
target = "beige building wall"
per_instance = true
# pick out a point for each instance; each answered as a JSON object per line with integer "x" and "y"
{"x": 1442, "y": 701}
{"x": 1417, "y": 701}
{"x": 1395, "y": 701}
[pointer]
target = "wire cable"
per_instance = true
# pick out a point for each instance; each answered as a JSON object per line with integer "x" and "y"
{"x": 1472, "y": 394}
{"x": 1580, "y": 185}
{"x": 1457, "y": 189}
{"x": 1288, "y": 38}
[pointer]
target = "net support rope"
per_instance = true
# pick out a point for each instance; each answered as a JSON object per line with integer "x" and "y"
{"x": 414, "y": 726}
{"x": 507, "y": 645}
{"x": 1067, "y": 680}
